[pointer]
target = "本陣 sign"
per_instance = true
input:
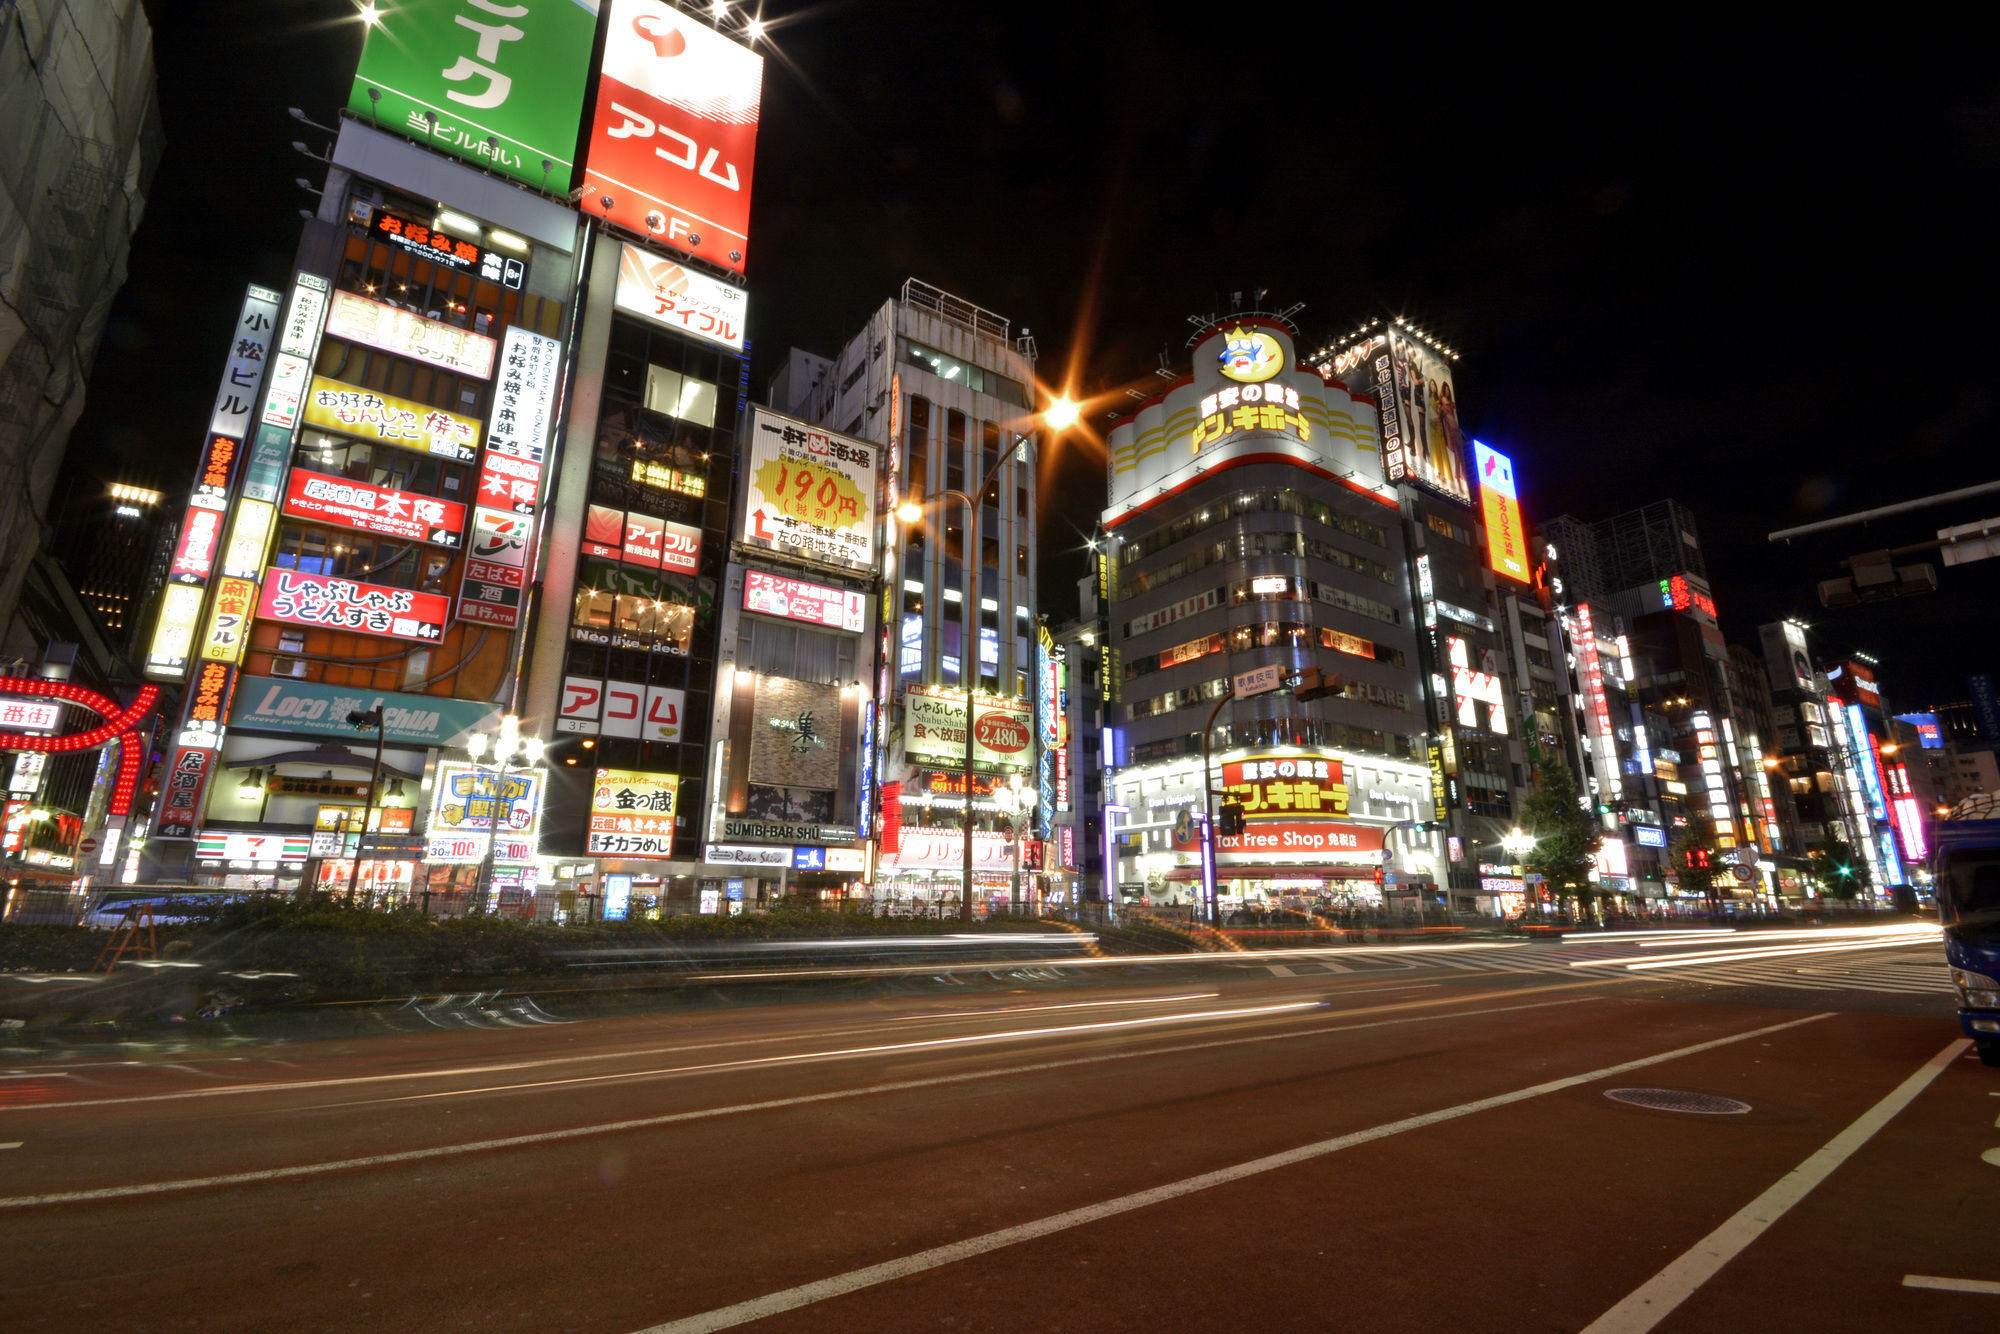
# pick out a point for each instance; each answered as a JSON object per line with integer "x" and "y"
{"x": 373, "y": 509}
{"x": 934, "y": 728}
{"x": 632, "y": 814}
{"x": 675, "y": 133}
{"x": 342, "y": 604}
{"x": 496, "y": 82}
{"x": 665, "y": 293}
{"x": 395, "y": 421}
{"x": 812, "y": 493}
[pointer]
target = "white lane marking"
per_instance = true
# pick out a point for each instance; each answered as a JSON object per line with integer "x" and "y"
{"x": 808, "y": 1294}
{"x": 1064, "y": 1005}
{"x": 1280, "y": 970}
{"x": 11, "y": 1144}
{"x": 673, "y": 1118}
{"x": 926, "y": 1044}
{"x": 442, "y": 1072}
{"x": 1656, "y": 1298}
{"x": 1108, "y": 961}
{"x": 1952, "y": 1284}
{"x": 1991, "y": 1155}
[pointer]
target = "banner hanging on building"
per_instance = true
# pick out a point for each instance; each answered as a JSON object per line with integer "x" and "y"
{"x": 812, "y": 493}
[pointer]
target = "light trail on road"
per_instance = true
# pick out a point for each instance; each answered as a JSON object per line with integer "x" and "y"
{"x": 1637, "y": 963}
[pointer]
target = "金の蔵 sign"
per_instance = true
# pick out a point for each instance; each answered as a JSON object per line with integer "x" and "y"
{"x": 632, "y": 814}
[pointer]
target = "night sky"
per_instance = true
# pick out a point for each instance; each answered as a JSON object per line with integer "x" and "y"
{"x": 1684, "y": 262}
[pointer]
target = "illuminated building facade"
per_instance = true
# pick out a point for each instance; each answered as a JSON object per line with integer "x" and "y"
{"x": 1471, "y": 570}
{"x": 1250, "y": 525}
{"x": 944, "y": 392}
{"x": 474, "y": 459}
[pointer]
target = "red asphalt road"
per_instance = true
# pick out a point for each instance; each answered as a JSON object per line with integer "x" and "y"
{"x": 1539, "y": 1214}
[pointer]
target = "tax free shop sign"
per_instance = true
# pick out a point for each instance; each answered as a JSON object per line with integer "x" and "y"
{"x": 270, "y": 704}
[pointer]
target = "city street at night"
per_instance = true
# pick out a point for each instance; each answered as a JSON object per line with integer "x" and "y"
{"x": 1417, "y": 1136}
{"x": 680, "y": 665}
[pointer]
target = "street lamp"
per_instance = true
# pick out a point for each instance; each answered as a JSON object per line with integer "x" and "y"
{"x": 365, "y": 718}
{"x": 910, "y": 513}
{"x": 1016, "y": 803}
{"x": 1518, "y": 844}
{"x": 506, "y": 744}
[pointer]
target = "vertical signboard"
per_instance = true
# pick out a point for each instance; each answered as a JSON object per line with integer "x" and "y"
{"x": 499, "y": 85}
{"x": 201, "y": 527}
{"x": 675, "y": 132}
{"x": 511, "y": 475}
{"x": 1500, "y": 506}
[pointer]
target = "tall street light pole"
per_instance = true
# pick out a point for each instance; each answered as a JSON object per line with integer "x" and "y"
{"x": 1060, "y": 415}
{"x": 365, "y": 718}
{"x": 505, "y": 744}
{"x": 1017, "y": 803}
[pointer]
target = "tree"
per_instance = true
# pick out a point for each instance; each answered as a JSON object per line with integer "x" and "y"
{"x": 1696, "y": 864}
{"x": 1834, "y": 867}
{"x": 1565, "y": 835}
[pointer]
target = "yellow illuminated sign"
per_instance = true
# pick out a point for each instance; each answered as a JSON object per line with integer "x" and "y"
{"x": 249, "y": 539}
{"x": 1251, "y": 356}
{"x": 173, "y": 637}
{"x": 229, "y": 620}
{"x": 1252, "y": 408}
{"x": 350, "y": 409}
{"x": 668, "y": 479}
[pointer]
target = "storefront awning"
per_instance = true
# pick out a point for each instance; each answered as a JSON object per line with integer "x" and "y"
{"x": 1276, "y": 873}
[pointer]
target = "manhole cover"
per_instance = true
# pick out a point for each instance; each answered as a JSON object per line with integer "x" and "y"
{"x": 1678, "y": 1100}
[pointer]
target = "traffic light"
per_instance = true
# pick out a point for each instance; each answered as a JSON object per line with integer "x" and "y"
{"x": 1231, "y": 821}
{"x": 1316, "y": 684}
{"x": 1698, "y": 858}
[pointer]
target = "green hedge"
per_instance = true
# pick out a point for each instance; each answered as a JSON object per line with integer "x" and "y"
{"x": 338, "y": 952}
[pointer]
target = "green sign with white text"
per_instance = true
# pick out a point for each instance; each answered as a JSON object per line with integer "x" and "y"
{"x": 496, "y": 82}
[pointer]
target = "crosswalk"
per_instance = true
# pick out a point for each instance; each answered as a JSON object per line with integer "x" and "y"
{"x": 1916, "y": 971}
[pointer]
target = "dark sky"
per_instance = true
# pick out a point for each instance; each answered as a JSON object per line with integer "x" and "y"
{"x": 1687, "y": 262}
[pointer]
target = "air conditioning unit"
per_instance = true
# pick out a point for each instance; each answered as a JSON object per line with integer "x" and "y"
{"x": 292, "y": 667}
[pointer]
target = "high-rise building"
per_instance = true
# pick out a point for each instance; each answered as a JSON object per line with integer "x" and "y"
{"x": 115, "y": 542}
{"x": 447, "y": 591}
{"x": 1252, "y": 541}
{"x": 80, "y": 139}
{"x": 947, "y": 393}
{"x": 1469, "y": 555}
